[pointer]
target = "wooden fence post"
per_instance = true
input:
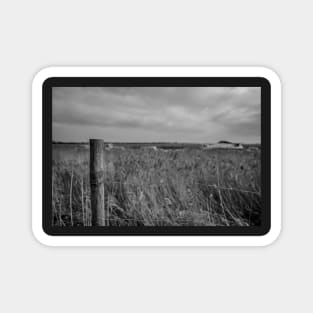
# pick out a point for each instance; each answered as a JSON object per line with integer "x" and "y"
{"x": 96, "y": 181}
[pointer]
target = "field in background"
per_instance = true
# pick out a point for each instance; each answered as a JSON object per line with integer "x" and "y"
{"x": 178, "y": 185}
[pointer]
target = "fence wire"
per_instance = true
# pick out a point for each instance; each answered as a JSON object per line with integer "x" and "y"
{"x": 206, "y": 185}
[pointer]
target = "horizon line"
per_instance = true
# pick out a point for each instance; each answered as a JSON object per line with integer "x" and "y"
{"x": 138, "y": 142}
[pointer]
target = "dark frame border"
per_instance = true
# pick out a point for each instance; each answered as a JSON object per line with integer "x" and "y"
{"x": 261, "y": 230}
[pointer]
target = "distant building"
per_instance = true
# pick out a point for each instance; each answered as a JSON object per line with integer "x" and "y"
{"x": 154, "y": 148}
{"x": 223, "y": 145}
{"x": 253, "y": 149}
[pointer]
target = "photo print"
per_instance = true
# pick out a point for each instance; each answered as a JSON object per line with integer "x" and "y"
{"x": 156, "y": 157}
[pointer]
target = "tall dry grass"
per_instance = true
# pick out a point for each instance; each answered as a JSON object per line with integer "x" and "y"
{"x": 161, "y": 188}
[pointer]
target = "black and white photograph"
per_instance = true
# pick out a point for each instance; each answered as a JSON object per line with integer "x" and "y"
{"x": 156, "y": 156}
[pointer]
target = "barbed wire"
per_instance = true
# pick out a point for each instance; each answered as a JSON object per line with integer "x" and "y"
{"x": 178, "y": 221}
{"x": 235, "y": 189}
{"x": 181, "y": 219}
{"x": 199, "y": 184}
{"x": 206, "y": 185}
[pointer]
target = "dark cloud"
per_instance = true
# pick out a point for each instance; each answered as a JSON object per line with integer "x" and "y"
{"x": 156, "y": 113}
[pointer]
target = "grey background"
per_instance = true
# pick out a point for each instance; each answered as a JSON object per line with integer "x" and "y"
{"x": 36, "y": 278}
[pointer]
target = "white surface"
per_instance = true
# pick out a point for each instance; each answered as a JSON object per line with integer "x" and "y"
{"x": 37, "y": 34}
{"x": 49, "y": 72}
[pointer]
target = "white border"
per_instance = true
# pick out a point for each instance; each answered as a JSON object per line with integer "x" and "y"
{"x": 156, "y": 240}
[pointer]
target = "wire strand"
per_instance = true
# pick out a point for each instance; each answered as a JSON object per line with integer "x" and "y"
{"x": 206, "y": 185}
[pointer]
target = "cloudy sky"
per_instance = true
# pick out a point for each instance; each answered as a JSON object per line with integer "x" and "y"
{"x": 155, "y": 114}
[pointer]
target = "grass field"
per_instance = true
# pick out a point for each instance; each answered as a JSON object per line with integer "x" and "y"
{"x": 174, "y": 186}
